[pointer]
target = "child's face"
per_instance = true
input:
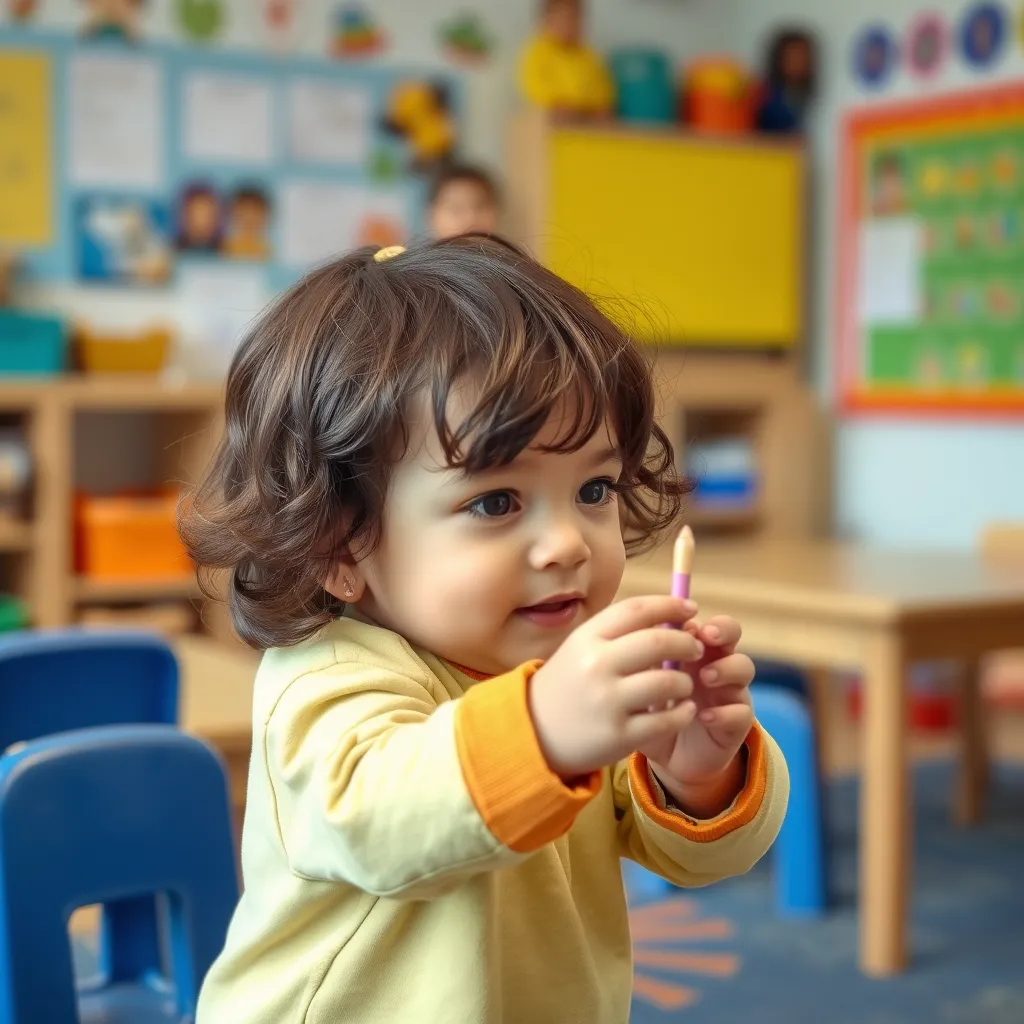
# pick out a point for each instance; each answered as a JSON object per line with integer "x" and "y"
{"x": 563, "y": 22}
{"x": 249, "y": 218}
{"x": 462, "y": 207}
{"x": 461, "y": 558}
{"x": 201, "y": 216}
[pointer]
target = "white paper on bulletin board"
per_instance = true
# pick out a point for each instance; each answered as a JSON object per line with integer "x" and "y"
{"x": 228, "y": 117}
{"x": 116, "y": 121}
{"x": 219, "y": 301}
{"x": 890, "y": 271}
{"x": 320, "y": 220}
{"x": 329, "y": 123}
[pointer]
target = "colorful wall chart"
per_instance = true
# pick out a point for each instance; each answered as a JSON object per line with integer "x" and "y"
{"x": 931, "y": 268}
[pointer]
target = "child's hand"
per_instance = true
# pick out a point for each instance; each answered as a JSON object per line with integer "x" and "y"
{"x": 591, "y": 702}
{"x": 699, "y": 766}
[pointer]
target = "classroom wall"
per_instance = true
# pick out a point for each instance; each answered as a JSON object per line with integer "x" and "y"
{"x": 411, "y": 25}
{"x": 899, "y": 482}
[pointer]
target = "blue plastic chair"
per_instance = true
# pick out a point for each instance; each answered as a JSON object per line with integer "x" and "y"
{"x": 107, "y": 814}
{"x": 56, "y": 680}
{"x": 799, "y": 851}
{"x": 53, "y": 681}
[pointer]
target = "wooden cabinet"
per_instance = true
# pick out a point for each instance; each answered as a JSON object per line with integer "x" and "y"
{"x": 698, "y": 241}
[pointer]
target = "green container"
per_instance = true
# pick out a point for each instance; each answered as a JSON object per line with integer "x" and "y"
{"x": 12, "y": 614}
{"x": 31, "y": 345}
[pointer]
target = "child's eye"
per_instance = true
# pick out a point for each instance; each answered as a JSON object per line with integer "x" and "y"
{"x": 596, "y": 492}
{"x": 493, "y": 505}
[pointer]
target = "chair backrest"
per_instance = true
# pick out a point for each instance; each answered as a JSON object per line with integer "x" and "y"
{"x": 56, "y": 680}
{"x": 106, "y": 814}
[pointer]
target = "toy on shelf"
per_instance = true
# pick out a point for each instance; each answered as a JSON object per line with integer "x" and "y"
{"x": 465, "y": 40}
{"x": 789, "y": 82}
{"x": 719, "y": 96}
{"x": 558, "y": 71}
{"x": 644, "y": 85}
{"x": 15, "y": 473}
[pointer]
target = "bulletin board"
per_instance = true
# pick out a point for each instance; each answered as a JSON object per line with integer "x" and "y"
{"x": 129, "y": 164}
{"x": 931, "y": 263}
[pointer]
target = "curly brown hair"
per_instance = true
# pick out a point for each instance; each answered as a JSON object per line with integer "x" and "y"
{"x": 318, "y": 397}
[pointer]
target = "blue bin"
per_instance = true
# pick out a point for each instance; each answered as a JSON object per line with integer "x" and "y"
{"x": 31, "y": 345}
{"x": 644, "y": 85}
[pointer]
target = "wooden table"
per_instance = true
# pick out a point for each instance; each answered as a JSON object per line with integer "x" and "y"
{"x": 831, "y": 605}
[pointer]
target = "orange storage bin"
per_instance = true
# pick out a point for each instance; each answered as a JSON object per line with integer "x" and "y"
{"x": 130, "y": 537}
{"x": 719, "y": 96}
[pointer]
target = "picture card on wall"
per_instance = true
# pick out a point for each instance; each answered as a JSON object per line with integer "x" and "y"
{"x": 116, "y": 121}
{"x": 320, "y": 220}
{"x": 228, "y": 118}
{"x": 122, "y": 240}
{"x": 329, "y": 123}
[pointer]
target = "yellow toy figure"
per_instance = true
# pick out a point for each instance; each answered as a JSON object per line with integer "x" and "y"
{"x": 558, "y": 71}
{"x": 419, "y": 113}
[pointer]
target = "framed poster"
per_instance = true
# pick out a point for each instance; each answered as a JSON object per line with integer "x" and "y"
{"x": 930, "y": 294}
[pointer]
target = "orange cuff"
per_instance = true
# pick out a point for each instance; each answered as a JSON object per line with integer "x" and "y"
{"x": 522, "y": 801}
{"x": 743, "y": 810}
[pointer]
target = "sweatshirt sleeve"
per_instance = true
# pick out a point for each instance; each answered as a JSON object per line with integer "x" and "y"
{"x": 689, "y": 852}
{"x": 378, "y": 784}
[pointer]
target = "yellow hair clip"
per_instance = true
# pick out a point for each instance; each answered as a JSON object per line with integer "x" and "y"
{"x": 387, "y": 252}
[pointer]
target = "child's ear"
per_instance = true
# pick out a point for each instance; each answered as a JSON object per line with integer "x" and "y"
{"x": 346, "y": 583}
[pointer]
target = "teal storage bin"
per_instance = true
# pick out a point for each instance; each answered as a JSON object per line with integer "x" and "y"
{"x": 644, "y": 85}
{"x": 31, "y": 345}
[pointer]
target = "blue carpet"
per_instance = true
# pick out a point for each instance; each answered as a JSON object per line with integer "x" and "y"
{"x": 721, "y": 955}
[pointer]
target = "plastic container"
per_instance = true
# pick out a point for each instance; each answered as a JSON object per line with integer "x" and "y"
{"x": 130, "y": 537}
{"x": 644, "y": 85}
{"x": 12, "y": 614}
{"x": 31, "y": 345}
{"x": 719, "y": 96}
{"x": 112, "y": 353}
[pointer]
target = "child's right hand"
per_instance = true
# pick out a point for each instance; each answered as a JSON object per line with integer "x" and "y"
{"x": 591, "y": 702}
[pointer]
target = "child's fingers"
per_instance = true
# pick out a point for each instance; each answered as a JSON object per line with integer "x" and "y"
{"x": 730, "y": 670}
{"x": 648, "y": 648}
{"x": 655, "y": 688}
{"x": 729, "y": 723}
{"x": 637, "y": 613}
{"x": 643, "y": 729}
{"x": 722, "y": 631}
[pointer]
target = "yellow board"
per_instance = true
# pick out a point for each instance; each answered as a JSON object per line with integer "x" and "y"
{"x": 26, "y": 160}
{"x": 703, "y": 238}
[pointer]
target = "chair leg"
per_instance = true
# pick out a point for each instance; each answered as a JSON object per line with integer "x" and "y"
{"x": 972, "y": 775}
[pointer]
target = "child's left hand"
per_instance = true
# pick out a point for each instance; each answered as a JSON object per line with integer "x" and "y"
{"x": 699, "y": 767}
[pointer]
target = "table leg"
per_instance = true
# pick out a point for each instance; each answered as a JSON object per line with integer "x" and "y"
{"x": 885, "y": 827}
{"x": 972, "y": 775}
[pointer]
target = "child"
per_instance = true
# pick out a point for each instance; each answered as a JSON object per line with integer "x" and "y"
{"x": 463, "y": 200}
{"x": 558, "y": 71}
{"x": 432, "y": 467}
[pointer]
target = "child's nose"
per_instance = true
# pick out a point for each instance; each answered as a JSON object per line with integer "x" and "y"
{"x": 561, "y": 543}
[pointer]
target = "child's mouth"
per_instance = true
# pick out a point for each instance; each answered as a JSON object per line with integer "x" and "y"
{"x": 552, "y": 614}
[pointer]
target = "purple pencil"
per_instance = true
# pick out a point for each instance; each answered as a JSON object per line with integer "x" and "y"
{"x": 682, "y": 566}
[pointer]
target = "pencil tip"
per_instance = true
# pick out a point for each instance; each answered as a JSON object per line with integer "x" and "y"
{"x": 682, "y": 556}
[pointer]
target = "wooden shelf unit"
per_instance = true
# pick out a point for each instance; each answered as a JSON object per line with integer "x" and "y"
{"x": 39, "y": 551}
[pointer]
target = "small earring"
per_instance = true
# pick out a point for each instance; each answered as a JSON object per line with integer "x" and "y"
{"x": 346, "y": 587}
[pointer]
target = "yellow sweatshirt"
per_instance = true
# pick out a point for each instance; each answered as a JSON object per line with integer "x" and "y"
{"x": 570, "y": 78}
{"x": 409, "y": 857}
